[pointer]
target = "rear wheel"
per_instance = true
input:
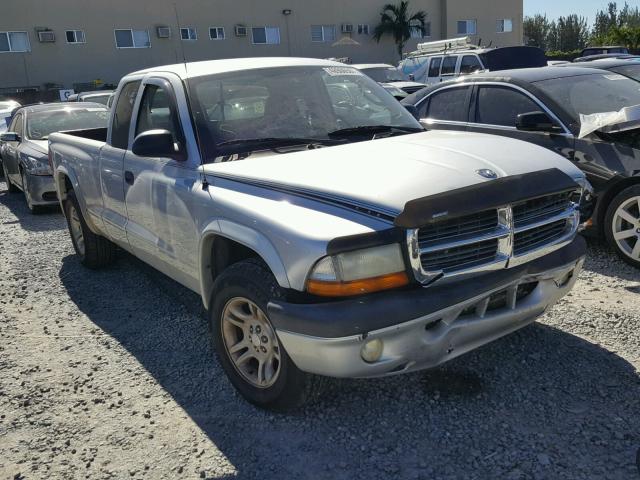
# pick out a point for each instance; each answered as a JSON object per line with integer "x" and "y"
{"x": 622, "y": 225}
{"x": 94, "y": 250}
{"x": 11, "y": 188}
{"x": 246, "y": 343}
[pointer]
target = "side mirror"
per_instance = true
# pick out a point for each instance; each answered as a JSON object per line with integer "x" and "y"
{"x": 10, "y": 137}
{"x": 537, "y": 122}
{"x": 156, "y": 143}
{"x": 413, "y": 110}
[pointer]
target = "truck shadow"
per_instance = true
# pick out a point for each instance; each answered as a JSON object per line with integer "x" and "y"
{"x": 50, "y": 219}
{"x": 546, "y": 402}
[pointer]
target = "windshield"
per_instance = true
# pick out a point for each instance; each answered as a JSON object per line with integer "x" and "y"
{"x": 41, "y": 124}
{"x": 596, "y": 93}
{"x": 310, "y": 102}
{"x": 383, "y": 74}
{"x": 632, "y": 71}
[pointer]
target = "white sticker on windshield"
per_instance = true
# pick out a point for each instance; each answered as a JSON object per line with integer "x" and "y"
{"x": 335, "y": 71}
{"x": 615, "y": 76}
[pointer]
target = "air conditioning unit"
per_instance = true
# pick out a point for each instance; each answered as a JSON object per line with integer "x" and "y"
{"x": 347, "y": 28}
{"x": 163, "y": 32}
{"x": 46, "y": 36}
{"x": 241, "y": 31}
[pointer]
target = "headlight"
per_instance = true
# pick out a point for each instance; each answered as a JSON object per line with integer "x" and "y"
{"x": 358, "y": 272}
{"x": 38, "y": 167}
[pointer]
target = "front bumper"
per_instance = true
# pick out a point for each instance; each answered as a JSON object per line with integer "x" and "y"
{"x": 42, "y": 189}
{"x": 423, "y": 327}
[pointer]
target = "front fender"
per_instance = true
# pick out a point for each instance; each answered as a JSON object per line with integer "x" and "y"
{"x": 244, "y": 235}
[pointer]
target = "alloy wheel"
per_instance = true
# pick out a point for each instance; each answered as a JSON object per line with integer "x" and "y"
{"x": 626, "y": 227}
{"x": 250, "y": 342}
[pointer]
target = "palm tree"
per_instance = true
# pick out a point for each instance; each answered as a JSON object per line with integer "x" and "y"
{"x": 396, "y": 21}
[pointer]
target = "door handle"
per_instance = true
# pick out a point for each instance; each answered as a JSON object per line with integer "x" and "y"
{"x": 128, "y": 177}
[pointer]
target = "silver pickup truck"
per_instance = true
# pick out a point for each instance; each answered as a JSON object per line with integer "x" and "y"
{"x": 328, "y": 234}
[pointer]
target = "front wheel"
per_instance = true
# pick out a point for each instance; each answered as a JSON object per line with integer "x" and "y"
{"x": 622, "y": 225}
{"x": 94, "y": 251}
{"x": 27, "y": 194}
{"x": 246, "y": 343}
{"x": 11, "y": 188}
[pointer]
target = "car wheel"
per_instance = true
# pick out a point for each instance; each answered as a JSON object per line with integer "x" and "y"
{"x": 27, "y": 194}
{"x": 11, "y": 188}
{"x": 94, "y": 250}
{"x": 622, "y": 225}
{"x": 246, "y": 343}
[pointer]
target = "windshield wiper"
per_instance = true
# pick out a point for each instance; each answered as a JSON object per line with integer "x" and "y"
{"x": 273, "y": 142}
{"x": 373, "y": 130}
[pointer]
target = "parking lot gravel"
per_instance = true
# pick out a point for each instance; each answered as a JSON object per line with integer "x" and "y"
{"x": 109, "y": 374}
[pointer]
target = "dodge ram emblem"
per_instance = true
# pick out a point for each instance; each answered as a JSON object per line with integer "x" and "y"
{"x": 486, "y": 173}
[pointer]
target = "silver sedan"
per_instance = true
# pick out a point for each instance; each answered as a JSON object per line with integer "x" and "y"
{"x": 24, "y": 146}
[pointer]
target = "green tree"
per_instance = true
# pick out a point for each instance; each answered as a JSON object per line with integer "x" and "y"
{"x": 396, "y": 21}
{"x": 573, "y": 33}
{"x": 536, "y": 30}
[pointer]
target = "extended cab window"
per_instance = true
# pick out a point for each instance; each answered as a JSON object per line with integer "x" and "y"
{"x": 449, "y": 66}
{"x": 469, "y": 64}
{"x": 157, "y": 112}
{"x": 434, "y": 68}
{"x": 449, "y": 104}
{"x": 502, "y": 105}
{"x": 122, "y": 115}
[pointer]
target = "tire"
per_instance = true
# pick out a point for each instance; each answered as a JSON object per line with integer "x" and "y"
{"x": 241, "y": 285}
{"x": 94, "y": 250}
{"x": 622, "y": 225}
{"x": 34, "y": 209}
{"x": 11, "y": 188}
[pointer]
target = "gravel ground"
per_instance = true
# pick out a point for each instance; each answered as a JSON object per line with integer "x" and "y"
{"x": 109, "y": 374}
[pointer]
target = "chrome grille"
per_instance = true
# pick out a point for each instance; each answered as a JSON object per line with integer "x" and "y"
{"x": 460, "y": 257}
{"x": 470, "y": 225}
{"x": 540, "y": 208}
{"x": 493, "y": 239}
{"x": 536, "y": 237}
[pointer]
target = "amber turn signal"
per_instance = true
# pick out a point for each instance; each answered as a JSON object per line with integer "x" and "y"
{"x": 357, "y": 287}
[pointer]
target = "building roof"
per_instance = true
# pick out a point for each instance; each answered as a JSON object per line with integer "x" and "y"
{"x": 210, "y": 67}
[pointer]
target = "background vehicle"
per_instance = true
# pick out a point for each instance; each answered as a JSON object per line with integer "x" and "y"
{"x": 98, "y": 96}
{"x": 6, "y": 107}
{"x": 606, "y": 50}
{"x": 325, "y": 236}
{"x": 543, "y": 106}
{"x": 23, "y": 149}
{"x": 435, "y": 62}
{"x": 627, "y": 66}
{"x": 390, "y": 78}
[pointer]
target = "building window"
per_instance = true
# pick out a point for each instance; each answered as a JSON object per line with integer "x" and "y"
{"x": 416, "y": 32}
{"x": 14, "y": 42}
{"x": 216, "y": 33}
{"x": 323, "y": 33}
{"x": 127, "y": 38}
{"x": 467, "y": 27}
{"x": 188, "y": 33}
{"x": 75, "y": 36}
{"x": 363, "y": 29}
{"x": 505, "y": 25}
{"x": 265, "y": 35}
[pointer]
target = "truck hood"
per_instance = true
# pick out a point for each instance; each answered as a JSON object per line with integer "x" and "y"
{"x": 383, "y": 175}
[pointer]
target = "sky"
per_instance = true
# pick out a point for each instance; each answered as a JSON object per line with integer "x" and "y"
{"x": 556, "y": 8}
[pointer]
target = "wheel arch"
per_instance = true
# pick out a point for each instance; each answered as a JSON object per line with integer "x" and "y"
{"x": 607, "y": 197}
{"x": 224, "y": 243}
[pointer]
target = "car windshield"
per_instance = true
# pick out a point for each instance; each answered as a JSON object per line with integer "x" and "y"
{"x": 632, "y": 71}
{"x": 308, "y": 103}
{"x": 41, "y": 124}
{"x": 383, "y": 74}
{"x": 595, "y": 93}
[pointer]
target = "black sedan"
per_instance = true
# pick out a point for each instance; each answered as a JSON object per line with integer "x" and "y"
{"x": 628, "y": 66}
{"x": 543, "y": 106}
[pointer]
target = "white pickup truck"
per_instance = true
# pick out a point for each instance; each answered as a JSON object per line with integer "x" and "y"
{"x": 327, "y": 237}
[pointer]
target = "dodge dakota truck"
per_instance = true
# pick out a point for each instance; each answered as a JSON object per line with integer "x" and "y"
{"x": 328, "y": 235}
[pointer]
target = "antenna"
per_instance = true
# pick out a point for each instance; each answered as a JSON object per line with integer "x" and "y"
{"x": 205, "y": 184}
